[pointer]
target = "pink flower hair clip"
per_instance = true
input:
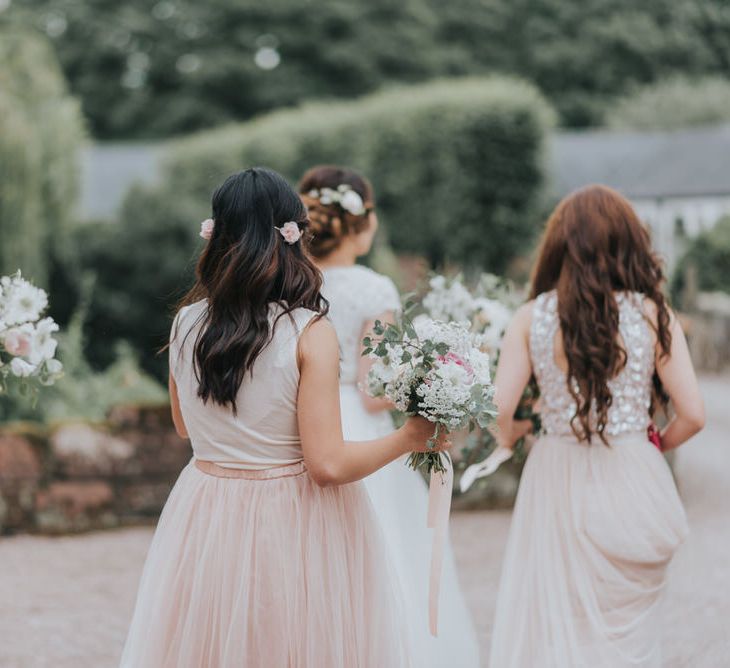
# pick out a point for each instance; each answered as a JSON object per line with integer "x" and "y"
{"x": 290, "y": 231}
{"x": 206, "y": 228}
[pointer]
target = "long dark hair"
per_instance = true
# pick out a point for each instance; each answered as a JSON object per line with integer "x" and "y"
{"x": 595, "y": 245}
{"x": 330, "y": 223}
{"x": 245, "y": 267}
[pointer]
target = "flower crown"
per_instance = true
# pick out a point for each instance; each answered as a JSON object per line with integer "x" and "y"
{"x": 344, "y": 196}
{"x": 290, "y": 230}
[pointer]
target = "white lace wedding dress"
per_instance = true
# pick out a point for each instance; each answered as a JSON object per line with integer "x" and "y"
{"x": 399, "y": 495}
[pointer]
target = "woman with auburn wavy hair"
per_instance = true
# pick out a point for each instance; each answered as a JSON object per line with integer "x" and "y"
{"x": 597, "y": 517}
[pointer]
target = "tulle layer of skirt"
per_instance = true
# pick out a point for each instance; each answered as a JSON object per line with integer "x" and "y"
{"x": 593, "y": 531}
{"x": 267, "y": 570}
{"x": 400, "y": 498}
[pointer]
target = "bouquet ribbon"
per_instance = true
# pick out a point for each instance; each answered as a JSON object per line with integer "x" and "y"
{"x": 439, "y": 507}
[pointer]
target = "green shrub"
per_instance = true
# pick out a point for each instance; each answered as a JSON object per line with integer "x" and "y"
{"x": 456, "y": 167}
{"x": 673, "y": 103}
{"x": 708, "y": 258}
{"x": 40, "y": 134}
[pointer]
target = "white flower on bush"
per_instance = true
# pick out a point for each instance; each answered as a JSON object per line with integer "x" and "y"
{"x": 22, "y": 369}
{"x": 27, "y": 346}
{"x": 18, "y": 341}
{"x": 21, "y": 301}
{"x": 44, "y": 345}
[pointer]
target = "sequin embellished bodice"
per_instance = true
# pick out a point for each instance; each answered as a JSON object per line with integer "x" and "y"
{"x": 630, "y": 389}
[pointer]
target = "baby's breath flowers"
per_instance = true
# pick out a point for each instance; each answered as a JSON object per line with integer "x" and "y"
{"x": 434, "y": 369}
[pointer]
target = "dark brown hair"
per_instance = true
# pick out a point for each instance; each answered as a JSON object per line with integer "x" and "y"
{"x": 246, "y": 266}
{"x": 594, "y": 245}
{"x": 329, "y": 223}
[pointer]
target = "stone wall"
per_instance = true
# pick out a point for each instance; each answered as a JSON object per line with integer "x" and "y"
{"x": 78, "y": 476}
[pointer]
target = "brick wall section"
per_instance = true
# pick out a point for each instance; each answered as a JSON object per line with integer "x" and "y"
{"x": 78, "y": 476}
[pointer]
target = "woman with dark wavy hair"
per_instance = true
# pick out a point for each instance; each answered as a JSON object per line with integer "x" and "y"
{"x": 598, "y": 516}
{"x": 264, "y": 555}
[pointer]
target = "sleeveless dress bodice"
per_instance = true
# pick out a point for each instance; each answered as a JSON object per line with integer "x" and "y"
{"x": 356, "y": 295}
{"x": 631, "y": 388}
{"x": 263, "y": 432}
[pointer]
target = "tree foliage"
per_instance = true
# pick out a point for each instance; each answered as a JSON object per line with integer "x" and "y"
{"x": 150, "y": 69}
{"x": 40, "y": 134}
{"x": 673, "y": 103}
{"x": 708, "y": 258}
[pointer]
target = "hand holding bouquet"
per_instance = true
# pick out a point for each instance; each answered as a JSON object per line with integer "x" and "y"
{"x": 434, "y": 369}
{"x": 27, "y": 346}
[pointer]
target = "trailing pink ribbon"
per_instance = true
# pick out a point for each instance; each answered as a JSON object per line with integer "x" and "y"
{"x": 439, "y": 507}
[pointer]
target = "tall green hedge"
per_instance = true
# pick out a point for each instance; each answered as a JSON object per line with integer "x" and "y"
{"x": 40, "y": 134}
{"x": 456, "y": 165}
{"x": 456, "y": 168}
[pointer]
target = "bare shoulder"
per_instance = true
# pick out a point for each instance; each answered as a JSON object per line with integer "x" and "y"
{"x": 651, "y": 312}
{"x": 318, "y": 341}
{"x": 522, "y": 318}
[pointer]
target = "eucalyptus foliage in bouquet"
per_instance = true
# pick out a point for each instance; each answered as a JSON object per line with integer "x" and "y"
{"x": 27, "y": 346}
{"x": 434, "y": 369}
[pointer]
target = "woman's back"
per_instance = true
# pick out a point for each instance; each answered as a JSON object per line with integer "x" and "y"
{"x": 263, "y": 431}
{"x": 630, "y": 389}
{"x": 356, "y": 296}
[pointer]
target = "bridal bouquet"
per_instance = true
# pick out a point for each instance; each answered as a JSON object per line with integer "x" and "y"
{"x": 434, "y": 369}
{"x": 486, "y": 310}
{"x": 27, "y": 346}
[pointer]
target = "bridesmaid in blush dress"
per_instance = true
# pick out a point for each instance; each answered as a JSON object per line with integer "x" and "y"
{"x": 343, "y": 223}
{"x": 267, "y": 554}
{"x": 597, "y": 517}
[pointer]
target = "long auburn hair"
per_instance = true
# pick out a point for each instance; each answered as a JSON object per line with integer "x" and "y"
{"x": 593, "y": 246}
{"x": 244, "y": 268}
{"x": 330, "y": 223}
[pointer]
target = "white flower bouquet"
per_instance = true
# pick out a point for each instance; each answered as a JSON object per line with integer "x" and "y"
{"x": 485, "y": 310}
{"x": 434, "y": 369}
{"x": 27, "y": 346}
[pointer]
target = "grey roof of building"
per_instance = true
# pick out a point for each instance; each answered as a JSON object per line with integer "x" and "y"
{"x": 643, "y": 165}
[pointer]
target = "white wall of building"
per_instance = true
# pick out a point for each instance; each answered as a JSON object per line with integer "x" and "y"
{"x": 695, "y": 213}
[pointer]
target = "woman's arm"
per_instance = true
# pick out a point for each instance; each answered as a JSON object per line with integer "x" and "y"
{"x": 372, "y": 404}
{"x": 329, "y": 459}
{"x": 513, "y": 374}
{"x": 177, "y": 418}
{"x": 680, "y": 382}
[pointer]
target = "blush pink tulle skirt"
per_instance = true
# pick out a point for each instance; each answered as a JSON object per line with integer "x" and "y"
{"x": 593, "y": 531}
{"x": 265, "y": 569}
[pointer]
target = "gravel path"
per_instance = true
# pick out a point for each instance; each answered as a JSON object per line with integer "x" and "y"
{"x": 66, "y": 602}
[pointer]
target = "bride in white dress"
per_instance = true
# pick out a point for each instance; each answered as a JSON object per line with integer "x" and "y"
{"x": 343, "y": 223}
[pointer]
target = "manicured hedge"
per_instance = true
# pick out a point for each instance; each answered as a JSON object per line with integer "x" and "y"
{"x": 456, "y": 165}
{"x": 457, "y": 168}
